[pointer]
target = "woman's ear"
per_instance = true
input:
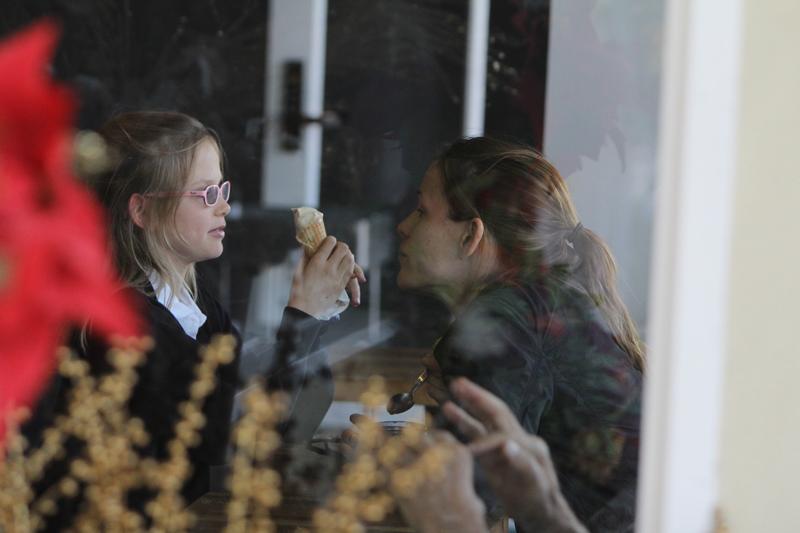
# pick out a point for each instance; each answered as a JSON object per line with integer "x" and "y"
{"x": 472, "y": 237}
{"x": 136, "y": 209}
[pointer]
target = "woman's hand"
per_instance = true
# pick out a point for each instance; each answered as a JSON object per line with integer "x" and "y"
{"x": 319, "y": 280}
{"x": 517, "y": 464}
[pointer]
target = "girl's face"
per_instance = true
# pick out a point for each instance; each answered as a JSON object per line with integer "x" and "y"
{"x": 200, "y": 228}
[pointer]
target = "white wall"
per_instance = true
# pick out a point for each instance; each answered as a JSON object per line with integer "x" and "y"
{"x": 760, "y": 445}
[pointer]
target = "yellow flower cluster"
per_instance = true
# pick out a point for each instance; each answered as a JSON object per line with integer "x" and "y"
{"x": 384, "y": 465}
{"x": 15, "y": 491}
{"x": 168, "y": 510}
{"x": 109, "y": 466}
{"x": 254, "y": 486}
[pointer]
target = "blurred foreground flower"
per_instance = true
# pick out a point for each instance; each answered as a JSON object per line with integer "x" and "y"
{"x": 55, "y": 267}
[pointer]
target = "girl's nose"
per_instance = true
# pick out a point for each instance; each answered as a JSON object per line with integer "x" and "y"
{"x": 223, "y": 207}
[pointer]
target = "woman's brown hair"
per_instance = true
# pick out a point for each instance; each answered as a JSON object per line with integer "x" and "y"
{"x": 526, "y": 207}
{"x": 152, "y": 153}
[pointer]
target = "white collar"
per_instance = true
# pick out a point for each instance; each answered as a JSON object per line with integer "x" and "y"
{"x": 183, "y": 307}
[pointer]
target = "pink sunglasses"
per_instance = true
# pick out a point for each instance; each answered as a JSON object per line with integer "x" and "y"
{"x": 210, "y": 194}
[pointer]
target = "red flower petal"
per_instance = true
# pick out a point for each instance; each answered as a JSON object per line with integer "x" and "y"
{"x": 57, "y": 269}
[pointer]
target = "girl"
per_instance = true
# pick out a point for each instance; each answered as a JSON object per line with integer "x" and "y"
{"x": 538, "y": 321}
{"x": 167, "y": 198}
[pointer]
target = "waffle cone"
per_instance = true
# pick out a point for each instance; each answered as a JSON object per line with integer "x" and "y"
{"x": 309, "y": 228}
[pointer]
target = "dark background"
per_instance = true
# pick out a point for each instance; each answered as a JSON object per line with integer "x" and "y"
{"x": 394, "y": 74}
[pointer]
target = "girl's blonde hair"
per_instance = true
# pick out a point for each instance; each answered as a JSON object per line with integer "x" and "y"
{"x": 524, "y": 203}
{"x": 153, "y": 152}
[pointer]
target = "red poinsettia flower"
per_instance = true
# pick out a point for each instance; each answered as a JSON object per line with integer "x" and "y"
{"x": 55, "y": 264}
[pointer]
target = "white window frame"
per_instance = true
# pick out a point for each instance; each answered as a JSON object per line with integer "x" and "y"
{"x": 678, "y": 486}
{"x": 679, "y": 470}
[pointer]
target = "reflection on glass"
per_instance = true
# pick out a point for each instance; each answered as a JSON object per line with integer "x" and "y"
{"x": 575, "y": 79}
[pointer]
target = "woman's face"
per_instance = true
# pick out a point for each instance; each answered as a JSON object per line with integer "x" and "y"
{"x": 430, "y": 251}
{"x": 200, "y": 228}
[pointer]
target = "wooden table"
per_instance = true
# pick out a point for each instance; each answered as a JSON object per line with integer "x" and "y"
{"x": 398, "y": 366}
{"x": 294, "y": 512}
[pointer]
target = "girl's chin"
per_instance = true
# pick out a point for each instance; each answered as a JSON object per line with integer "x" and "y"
{"x": 212, "y": 254}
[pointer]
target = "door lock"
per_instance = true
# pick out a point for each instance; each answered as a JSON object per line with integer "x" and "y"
{"x": 293, "y": 119}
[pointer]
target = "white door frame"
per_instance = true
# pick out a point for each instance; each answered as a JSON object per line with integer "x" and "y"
{"x": 679, "y": 470}
{"x": 477, "y": 50}
{"x": 297, "y": 31}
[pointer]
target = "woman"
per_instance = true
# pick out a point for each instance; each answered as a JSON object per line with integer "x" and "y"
{"x": 538, "y": 320}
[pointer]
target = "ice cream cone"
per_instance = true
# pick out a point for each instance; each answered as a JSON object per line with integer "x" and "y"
{"x": 310, "y": 231}
{"x": 309, "y": 228}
